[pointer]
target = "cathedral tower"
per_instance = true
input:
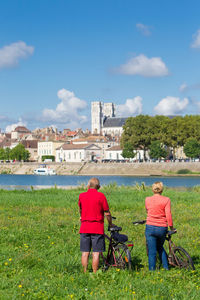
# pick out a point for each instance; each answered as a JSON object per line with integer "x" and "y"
{"x": 99, "y": 112}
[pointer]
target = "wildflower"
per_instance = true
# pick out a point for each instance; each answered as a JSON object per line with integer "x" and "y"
{"x": 20, "y": 286}
{"x": 10, "y": 259}
{"x": 133, "y": 292}
{"x": 117, "y": 270}
{"x": 6, "y": 264}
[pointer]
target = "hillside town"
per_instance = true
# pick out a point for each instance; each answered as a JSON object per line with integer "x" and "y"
{"x": 100, "y": 144}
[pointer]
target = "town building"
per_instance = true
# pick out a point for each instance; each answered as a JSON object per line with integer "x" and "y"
{"x": 32, "y": 147}
{"x": 19, "y": 132}
{"x": 104, "y": 120}
{"x": 115, "y": 153}
{"x": 101, "y": 141}
{"x": 47, "y": 148}
{"x": 77, "y": 153}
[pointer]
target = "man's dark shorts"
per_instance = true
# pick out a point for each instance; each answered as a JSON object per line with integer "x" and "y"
{"x": 89, "y": 241}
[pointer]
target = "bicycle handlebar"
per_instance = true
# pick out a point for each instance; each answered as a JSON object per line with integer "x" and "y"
{"x": 114, "y": 228}
{"x": 139, "y": 222}
{"x": 171, "y": 232}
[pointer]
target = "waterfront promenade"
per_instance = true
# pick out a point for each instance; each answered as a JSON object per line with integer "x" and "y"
{"x": 129, "y": 169}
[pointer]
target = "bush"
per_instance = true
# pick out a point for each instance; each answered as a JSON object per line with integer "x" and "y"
{"x": 52, "y": 157}
{"x": 183, "y": 171}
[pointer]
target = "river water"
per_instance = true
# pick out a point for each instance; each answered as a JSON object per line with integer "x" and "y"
{"x": 26, "y": 181}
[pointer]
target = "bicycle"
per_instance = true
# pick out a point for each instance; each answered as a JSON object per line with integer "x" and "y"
{"x": 177, "y": 256}
{"x": 119, "y": 250}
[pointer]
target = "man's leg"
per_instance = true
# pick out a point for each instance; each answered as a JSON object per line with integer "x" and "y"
{"x": 85, "y": 247}
{"x": 95, "y": 261}
{"x": 84, "y": 260}
{"x": 98, "y": 245}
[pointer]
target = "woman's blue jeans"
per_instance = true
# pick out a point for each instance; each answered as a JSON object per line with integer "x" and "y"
{"x": 155, "y": 237}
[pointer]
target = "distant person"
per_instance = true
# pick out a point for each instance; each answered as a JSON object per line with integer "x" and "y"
{"x": 93, "y": 206}
{"x": 159, "y": 217}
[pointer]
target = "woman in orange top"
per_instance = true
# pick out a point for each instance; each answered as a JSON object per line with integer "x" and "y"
{"x": 159, "y": 217}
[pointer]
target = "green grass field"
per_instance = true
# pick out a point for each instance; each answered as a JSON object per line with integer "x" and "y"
{"x": 39, "y": 247}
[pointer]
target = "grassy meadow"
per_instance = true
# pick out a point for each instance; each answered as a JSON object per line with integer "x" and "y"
{"x": 39, "y": 247}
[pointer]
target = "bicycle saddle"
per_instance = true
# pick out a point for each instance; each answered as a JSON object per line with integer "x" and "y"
{"x": 122, "y": 238}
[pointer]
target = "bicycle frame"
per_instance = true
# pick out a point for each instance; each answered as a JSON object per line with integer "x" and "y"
{"x": 172, "y": 259}
{"x": 110, "y": 259}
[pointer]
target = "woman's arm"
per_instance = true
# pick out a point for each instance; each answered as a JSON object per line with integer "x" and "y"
{"x": 169, "y": 215}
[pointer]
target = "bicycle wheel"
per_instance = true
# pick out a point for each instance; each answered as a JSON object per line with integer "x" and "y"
{"x": 104, "y": 258}
{"x": 182, "y": 259}
{"x": 122, "y": 257}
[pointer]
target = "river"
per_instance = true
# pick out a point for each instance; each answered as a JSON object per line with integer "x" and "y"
{"x": 28, "y": 181}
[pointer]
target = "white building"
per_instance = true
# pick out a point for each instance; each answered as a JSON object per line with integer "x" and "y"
{"x": 47, "y": 148}
{"x": 78, "y": 153}
{"x": 104, "y": 120}
{"x": 100, "y": 111}
{"x": 100, "y": 141}
{"x": 113, "y": 126}
{"x": 115, "y": 153}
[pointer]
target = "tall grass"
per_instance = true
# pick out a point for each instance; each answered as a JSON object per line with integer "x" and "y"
{"x": 39, "y": 247}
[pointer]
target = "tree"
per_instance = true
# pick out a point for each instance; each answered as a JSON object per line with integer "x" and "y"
{"x": 2, "y": 154}
{"x": 137, "y": 132}
{"x": 128, "y": 151}
{"x": 7, "y": 153}
{"x": 192, "y": 148}
{"x": 19, "y": 153}
{"x": 157, "y": 150}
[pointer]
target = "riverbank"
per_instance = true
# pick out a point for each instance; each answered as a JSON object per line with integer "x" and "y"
{"x": 94, "y": 169}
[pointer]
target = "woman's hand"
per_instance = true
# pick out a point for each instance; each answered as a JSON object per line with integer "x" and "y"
{"x": 172, "y": 228}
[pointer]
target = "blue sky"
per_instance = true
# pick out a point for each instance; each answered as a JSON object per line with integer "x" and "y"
{"x": 58, "y": 56}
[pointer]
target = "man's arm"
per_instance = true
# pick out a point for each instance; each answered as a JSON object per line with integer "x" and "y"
{"x": 108, "y": 217}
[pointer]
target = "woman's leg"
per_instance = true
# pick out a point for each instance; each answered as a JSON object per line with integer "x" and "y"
{"x": 160, "y": 248}
{"x": 151, "y": 244}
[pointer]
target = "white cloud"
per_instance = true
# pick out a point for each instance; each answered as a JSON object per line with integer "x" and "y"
{"x": 144, "y": 29}
{"x": 183, "y": 87}
{"x": 12, "y": 127}
{"x": 196, "y": 40}
{"x": 67, "y": 111}
{"x": 11, "y": 54}
{"x": 144, "y": 66}
{"x": 131, "y": 107}
{"x": 171, "y": 106}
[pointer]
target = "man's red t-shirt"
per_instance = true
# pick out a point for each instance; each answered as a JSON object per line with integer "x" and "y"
{"x": 93, "y": 204}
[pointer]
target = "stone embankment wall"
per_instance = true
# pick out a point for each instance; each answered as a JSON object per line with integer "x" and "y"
{"x": 131, "y": 169}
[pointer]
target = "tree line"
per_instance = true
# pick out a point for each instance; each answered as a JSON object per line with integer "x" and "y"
{"x": 161, "y": 135}
{"x": 17, "y": 153}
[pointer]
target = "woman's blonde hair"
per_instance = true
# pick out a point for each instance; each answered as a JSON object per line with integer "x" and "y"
{"x": 157, "y": 187}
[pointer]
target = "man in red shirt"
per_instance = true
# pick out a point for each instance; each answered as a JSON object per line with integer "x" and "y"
{"x": 93, "y": 206}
